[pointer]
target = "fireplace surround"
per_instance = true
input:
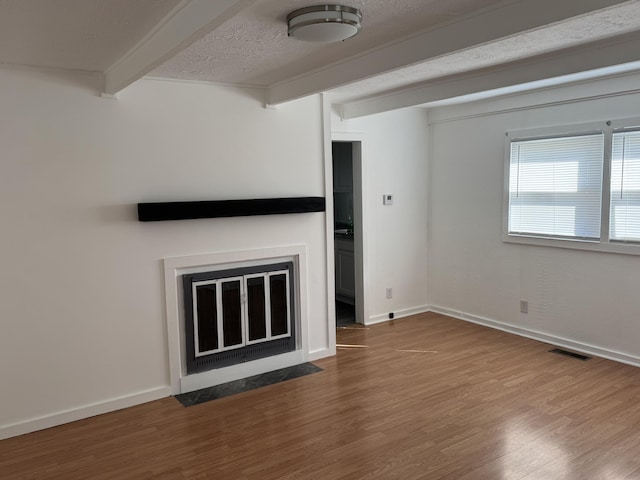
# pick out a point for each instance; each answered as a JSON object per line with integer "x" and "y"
{"x": 289, "y": 342}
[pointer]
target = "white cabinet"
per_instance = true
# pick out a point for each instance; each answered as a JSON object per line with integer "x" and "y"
{"x": 345, "y": 270}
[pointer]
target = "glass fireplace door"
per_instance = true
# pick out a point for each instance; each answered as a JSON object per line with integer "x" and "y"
{"x": 238, "y": 315}
{"x": 234, "y": 312}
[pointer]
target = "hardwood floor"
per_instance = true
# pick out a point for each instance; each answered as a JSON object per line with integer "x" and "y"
{"x": 427, "y": 397}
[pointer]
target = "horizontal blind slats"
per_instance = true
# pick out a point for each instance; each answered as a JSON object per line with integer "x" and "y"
{"x": 555, "y": 186}
{"x": 624, "y": 223}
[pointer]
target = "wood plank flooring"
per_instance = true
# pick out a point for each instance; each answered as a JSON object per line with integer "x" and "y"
{"x": 426, "y": 397}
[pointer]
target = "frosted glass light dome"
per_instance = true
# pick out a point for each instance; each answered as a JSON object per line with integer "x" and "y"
{"x": 324, "y": 23}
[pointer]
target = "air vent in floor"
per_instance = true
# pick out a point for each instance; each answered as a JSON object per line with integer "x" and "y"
{"x": 561, "y": 351}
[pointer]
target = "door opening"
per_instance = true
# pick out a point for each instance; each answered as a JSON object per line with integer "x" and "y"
{"x": 347, "y": 215}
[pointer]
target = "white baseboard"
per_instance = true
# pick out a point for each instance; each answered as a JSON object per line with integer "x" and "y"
{"x": 86, "y": 411}
{"x": 322, "y": 353}
{"x": 397, "y": 314}
{"x": 541, "y": 336}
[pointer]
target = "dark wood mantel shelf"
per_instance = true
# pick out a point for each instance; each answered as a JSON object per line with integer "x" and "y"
{"x": 162, "y": 211}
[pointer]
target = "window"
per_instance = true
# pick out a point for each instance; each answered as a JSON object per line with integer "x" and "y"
{"x": 624, "y": 222}
{"x": 576, "y": 187}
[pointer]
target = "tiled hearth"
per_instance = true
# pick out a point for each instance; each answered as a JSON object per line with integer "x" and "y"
{"x": 245, "y": 384}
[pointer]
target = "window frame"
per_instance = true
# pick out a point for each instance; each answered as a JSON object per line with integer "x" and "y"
{"x": 603, "y": 244}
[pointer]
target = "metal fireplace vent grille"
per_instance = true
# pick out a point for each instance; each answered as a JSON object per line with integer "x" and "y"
{"x": 237, "y": 315}
{"x": 233, "y": 357}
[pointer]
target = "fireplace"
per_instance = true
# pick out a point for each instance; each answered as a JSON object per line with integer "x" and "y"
{"x": 232, "y": 315}
{"x": 238, "y": 315}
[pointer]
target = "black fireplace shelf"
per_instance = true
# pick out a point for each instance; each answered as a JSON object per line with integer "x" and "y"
{"x": 161, "y": 211}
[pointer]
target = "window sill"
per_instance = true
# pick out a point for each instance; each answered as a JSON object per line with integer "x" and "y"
{"x": 620, "y": 248}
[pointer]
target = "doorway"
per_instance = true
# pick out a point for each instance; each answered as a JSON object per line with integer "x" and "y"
{"x": 348, "y": 232}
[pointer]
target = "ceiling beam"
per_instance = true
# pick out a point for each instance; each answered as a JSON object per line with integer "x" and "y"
{"x": 189, "y": 21}
{"x": 482, "y": 28}
{"x": 558, "y": 68}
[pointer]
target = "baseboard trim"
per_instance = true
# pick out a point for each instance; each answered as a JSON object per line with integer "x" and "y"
{"x": 322, "y": 353}
{"x": 86, "y": 411}
{"x": 397, "y": 314}
{"x": 541, "y": 336}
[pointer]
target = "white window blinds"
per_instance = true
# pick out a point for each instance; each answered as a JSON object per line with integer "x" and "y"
{"x": 555, "y": 186}
{"x": 624, "y": 221}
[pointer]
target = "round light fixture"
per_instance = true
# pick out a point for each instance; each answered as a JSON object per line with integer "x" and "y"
{"x": 324, "y": 23}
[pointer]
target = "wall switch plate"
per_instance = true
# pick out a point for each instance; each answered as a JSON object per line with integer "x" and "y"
{"x": 524, "y": 306}
{"x": 389, "y": 293}
{"x": 387, "y": 199}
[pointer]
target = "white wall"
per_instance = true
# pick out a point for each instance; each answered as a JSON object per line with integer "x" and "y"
{"x": 394, "y": 151}
{"x": 81, "y": 288}
{"x": 584, "y": 299}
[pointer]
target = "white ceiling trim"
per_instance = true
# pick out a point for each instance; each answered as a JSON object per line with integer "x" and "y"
{"x": 483, "y": 28}
{"x": 189, "y": 21}
{"x": 553, "y": 69}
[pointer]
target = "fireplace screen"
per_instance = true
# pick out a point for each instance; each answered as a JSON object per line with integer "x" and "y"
{"x": 233, "y": 316}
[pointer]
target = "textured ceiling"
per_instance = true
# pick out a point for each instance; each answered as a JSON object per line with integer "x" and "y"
{"x": 249, "y": 46}
{"x": 608, "y": 23}
{"x": 75, "y": 34}
{"x": 253, "y": 48}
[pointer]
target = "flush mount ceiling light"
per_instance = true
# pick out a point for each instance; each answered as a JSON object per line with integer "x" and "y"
{"x": 324, "y": 23}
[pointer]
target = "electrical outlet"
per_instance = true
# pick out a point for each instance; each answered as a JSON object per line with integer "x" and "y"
{"x": 389, "y": 293}
{"x": 524, "y": 306}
